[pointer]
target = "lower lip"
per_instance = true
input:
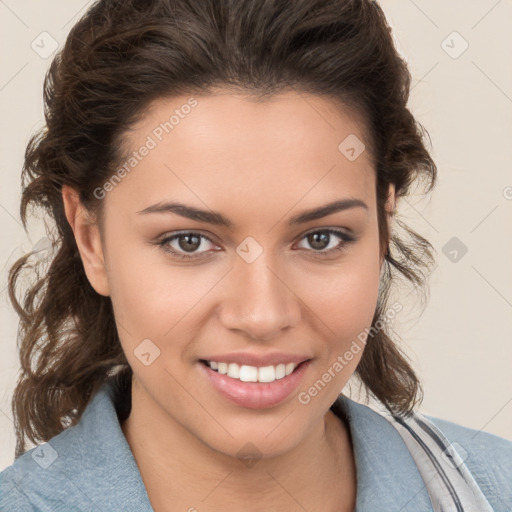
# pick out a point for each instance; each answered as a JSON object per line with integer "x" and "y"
{"x": 255, "y": 395}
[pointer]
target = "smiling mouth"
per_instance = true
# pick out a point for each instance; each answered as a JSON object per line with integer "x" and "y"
{"x": 247, "y": 373}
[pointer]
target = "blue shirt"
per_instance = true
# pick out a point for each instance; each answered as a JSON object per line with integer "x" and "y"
{"x": 90, "y": 467}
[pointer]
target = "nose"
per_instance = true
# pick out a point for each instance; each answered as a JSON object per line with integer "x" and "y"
{"x": 260, "y": 302}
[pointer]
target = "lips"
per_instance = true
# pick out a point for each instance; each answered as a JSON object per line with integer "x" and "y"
{"x": 255, "y": 381}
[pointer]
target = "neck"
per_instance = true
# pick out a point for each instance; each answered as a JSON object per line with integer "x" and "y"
{"x": 180, "y": 472}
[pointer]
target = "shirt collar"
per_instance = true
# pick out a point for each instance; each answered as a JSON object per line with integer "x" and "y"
{"x": 95, "y": 457}
{"x": 97, "y": 460}
{"x": 387, "y": 476}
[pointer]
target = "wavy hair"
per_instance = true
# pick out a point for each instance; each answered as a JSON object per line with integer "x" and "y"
{"x": 117, "y": 59}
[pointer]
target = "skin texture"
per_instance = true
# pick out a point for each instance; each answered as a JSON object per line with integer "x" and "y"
{"x": 259, "y": 164}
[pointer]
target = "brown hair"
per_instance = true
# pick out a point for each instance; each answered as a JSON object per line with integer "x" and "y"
{"x": 124, "y": 54}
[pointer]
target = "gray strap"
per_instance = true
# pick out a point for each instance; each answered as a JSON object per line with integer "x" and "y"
{"x": 448, "y": 481}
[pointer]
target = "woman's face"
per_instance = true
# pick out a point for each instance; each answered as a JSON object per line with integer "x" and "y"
{"x": 267, "y": 288}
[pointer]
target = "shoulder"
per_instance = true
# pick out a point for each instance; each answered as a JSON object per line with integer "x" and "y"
{"x": 86, "y": 466}
{"x": 488, "y": 458}
{"x": 36, "y": 479}
{"x": 11, "y": 495}
{"x": 457, "y": 464}
{"x": 43, "y": 478}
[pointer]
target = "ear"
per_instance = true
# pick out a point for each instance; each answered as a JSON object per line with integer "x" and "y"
{"x": 391, "y": 201}
{"x": 88, "y": 240}
{"x": 390, "y": 212}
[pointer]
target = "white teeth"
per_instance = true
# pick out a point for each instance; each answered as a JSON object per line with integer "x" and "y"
{"x": 247, "y": 373}
{"x": 289, "y": 368}
{"x": 233, "y": 371}
{"x": 267, "y": 374}
{"x": 280, "y": 371}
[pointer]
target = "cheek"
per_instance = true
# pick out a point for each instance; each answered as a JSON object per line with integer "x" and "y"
{"x": 356, "y": 297}
{"x": 156, "y": 300}
{"x": 141, "y": 295}
{"x": 344, "y": 304}
{"x": 345, "y": 296}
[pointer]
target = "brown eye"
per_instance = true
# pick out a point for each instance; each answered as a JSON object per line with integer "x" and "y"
{"x": 319, "y": 240}
{"x": 185, "y": 245}
{"x": 189, "y": 242}
{"x": 327, "y": 241}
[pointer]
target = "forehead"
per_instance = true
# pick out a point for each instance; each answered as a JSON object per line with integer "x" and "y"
{"x": 288, "y": 148}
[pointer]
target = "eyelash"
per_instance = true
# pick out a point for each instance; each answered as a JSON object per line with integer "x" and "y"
{"x": 346, "y": 240}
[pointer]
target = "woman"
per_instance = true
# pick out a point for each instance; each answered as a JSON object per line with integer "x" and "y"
{"x": 223, "y": 178}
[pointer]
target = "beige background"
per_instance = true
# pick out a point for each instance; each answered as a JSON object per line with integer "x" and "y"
{"x": 461, "y": 344}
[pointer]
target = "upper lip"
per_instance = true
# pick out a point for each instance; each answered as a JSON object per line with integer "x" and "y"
{"x": 260, "y": 360}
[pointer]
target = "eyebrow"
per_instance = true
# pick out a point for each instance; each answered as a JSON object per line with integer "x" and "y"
{"x": 218, "y": 219}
